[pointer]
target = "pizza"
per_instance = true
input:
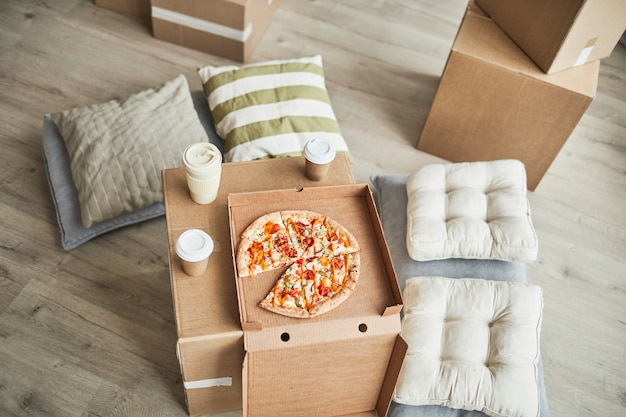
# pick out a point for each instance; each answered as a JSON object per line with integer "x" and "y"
{"x": 265, "y": 245}
{"x": 321, "y": 257}
{"x": 310, "y": 287}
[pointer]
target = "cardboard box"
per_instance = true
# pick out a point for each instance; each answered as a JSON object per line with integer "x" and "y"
{"x": 493, "y": 102}
{"x": 227, "y": 28}
{"x": 343, "y": 362}
{"x": 351, "y": 378}
{"x": 211, "y": 371}
{"x": 210, "y": 346}
{"x": 139, "y": 8}
{"x": 560, "y": 34}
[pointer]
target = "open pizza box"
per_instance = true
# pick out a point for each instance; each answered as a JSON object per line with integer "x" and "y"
{"x": 343, "y": 362}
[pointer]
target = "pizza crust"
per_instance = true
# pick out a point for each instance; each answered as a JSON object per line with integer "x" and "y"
{"x": 298, "y": 313}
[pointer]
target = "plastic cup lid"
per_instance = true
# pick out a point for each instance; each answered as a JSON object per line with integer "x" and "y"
{"x": 202, "y": 154}
{"x": 194, "y": 245}
{"x": 319, "y": 151}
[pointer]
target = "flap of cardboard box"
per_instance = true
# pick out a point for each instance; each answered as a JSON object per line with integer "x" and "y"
{"x": 480, "y": 38}
{"x": 376, "y": 294}
{"x": 307, "y": 332}
{"x": 354, "y": 378}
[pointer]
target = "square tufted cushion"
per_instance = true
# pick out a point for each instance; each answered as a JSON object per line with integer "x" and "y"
{"x": 475, "y": 210}
{"x": 270, "y": 109}
{"x": 391, "y": 200}
{"x": 473, "y": 345}
{"x": 117, "y": 149}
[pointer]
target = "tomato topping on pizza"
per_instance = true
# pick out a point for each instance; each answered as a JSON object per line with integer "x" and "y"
{"x": 321, "y": 256}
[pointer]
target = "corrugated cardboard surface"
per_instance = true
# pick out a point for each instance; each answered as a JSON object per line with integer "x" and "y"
{"x": 493, "y": 102}
{"x": 208, "y": 304}
{"x": 353, "y": 377}
{"x": 337, "y": 363}
{"x": 210, "y": 344}
{"x": 139, "y": 8}
{"x": 211, "y": 371}
{"x": 557, "y": 34}
{"x": 351, "y": 206}
{"x": 242, "y": 16}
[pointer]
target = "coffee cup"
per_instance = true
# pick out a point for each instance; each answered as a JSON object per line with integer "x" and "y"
{"x": 194, "y": 247}
{"x": 318, "y": 154}
{"x": 203, "y": 164}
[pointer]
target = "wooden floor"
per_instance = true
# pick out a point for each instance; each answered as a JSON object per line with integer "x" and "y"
{"x": 91, "y": 332}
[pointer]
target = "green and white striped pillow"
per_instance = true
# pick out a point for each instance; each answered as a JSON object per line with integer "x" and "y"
{"x": 270, "y": 109}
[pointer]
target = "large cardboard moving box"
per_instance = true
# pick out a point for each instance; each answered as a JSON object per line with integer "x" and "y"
{"x": 344, "y": 362}
{"x": 210, "y": 346}
{"x": 227, "y": 28}
{"x": 560, "y": 34}
{"x": 493, "y": 102}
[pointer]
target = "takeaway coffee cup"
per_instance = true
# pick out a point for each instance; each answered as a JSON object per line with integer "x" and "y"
{"x": 194, "y": 247}
{"x": 203, "y": 164}
{"x": 318, "y": 154}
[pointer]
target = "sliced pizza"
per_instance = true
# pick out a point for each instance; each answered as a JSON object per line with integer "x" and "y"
{"x": 321, "y": 255}
{"x": 305, "y": 228}
{"x": 336, "y": 240}
{"x": 265, "y": 245}
{"x": 310, "y": 287}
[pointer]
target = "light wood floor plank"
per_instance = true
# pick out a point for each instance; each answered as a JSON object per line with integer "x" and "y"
{"x": 91, "y": 331}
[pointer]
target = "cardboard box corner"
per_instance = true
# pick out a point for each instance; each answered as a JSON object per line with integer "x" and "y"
{"x": 493, "y": 102}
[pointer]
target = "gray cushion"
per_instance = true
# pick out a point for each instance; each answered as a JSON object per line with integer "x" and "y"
{"x": 118, "y": 148}
{"x": 65, "y": 195}
{"x": 391, "y": 199}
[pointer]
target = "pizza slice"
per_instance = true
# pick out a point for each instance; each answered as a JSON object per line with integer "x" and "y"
{"x": 265, "y": 245}
{"x": 336, "y": 240}
{"x": 303, "y": 228}
{"x": 314, "y": 286}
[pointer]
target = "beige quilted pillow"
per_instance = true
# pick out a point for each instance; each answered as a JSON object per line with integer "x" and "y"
{"x": 118, "y": 149}
{"x": 471, "y": 210}
{"x": 473, "y": 345}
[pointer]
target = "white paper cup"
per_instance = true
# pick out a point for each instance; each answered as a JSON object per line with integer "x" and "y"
{"x": 318, "y": 153}
{"x": 194, "y": 247}
{"x": 203, "y": 164}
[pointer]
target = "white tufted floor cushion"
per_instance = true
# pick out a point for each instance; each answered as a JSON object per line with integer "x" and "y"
{"x": 473, "y": 345}
{"x": 474, "y": 210}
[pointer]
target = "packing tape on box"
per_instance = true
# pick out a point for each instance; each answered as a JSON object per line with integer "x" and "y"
{"x": 586, "y": 52}
{"x": 202, "y": 25}
{"x": 208, "y": 383}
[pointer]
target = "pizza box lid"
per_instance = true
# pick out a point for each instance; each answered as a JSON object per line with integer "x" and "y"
{"x": 376, "y": 297}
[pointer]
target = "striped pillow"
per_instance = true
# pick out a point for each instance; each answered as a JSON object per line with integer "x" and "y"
{"x": 270, "y": 109}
